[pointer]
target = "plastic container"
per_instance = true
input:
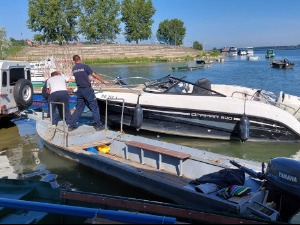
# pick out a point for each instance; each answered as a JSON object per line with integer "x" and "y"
{"x": 103, "y": 149}
{"x": 92, "y": 149}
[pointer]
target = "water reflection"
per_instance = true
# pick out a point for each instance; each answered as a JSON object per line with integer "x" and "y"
{"x": 23, "y": 156}
{"x": 19, "y": 154}
{"x": 256, "y": 151}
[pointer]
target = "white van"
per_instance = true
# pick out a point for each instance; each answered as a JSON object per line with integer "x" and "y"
{"x": 16, "y": 90}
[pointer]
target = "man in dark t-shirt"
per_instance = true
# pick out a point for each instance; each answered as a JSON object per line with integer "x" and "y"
{"x": 85, "y": 93}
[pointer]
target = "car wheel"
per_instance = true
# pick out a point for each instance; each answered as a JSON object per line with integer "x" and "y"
{"x": 23, "y": 94}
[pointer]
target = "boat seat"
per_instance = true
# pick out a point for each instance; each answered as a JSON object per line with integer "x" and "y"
{"x": 161, "y": 151}
{"x": 198, "y": 90}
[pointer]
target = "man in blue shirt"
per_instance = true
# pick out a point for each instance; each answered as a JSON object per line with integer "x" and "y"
{"x": 85, "y": 93}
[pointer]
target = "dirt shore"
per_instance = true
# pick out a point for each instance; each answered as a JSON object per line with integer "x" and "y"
{"x": 107, "y": 51}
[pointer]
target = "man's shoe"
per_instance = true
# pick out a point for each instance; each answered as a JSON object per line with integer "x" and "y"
{"x": 99, "y": 128}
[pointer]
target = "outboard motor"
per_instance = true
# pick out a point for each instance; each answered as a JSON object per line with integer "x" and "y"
{"x": 283, "y": 182}
{"x": 283, "y": 175}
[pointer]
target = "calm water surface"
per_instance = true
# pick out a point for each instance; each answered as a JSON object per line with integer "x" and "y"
{"x": 23, "y": 155}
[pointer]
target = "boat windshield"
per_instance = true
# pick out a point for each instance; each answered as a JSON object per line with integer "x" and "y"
{"x": 175, "y": 85}
{"x": 161, "y": 85}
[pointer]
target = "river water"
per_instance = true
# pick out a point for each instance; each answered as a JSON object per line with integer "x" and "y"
{"x": 22, "y": 154}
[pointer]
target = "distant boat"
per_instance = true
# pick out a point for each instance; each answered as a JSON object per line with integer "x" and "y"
{"x": 270, "y": 54}
{"x": 224, "y": 50}
{"x": 249, "y": 51}
{"x": 186, "y": 67}
{"x": 282, "y": 64}
{"x": 253, "y": 58}
{"x": 220, "y": 60}
{"x": 41, "y": 70}
{"x": 203, "y": 61}
{"x": 242, "y": 51}
{"x": 233, "y": 51}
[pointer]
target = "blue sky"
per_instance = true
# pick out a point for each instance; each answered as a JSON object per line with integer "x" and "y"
{"x": 214, "y": 23}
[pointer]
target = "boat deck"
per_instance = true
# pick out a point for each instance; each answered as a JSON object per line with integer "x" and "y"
{"x": 144, "y": 163}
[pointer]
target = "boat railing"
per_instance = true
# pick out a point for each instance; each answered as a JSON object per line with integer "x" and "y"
{"x": 244, "y": 94}
{"x": 259, "y": 96}
{"x": 286, "y": 107}
{"x": 65, "y": 130}
{"x": 122, "y": 114}
{"x": 64, "y": 120}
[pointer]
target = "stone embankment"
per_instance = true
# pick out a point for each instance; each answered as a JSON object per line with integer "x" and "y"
{"x": 107, "y": 51}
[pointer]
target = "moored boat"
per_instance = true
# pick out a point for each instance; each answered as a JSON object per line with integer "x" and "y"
{"x": 282, "y": 64}
{"x": 36, "y": 202}
{"x": 249, "y": 51}
{"x": 252, "y": 57}
{"x": 270, "y": 54}
{"x": 41, "y": 70}
{"x": 242, "y": 51}
{"x": 203, "y": 61}
{"x": 233, "y": 51}
{"x": 176, "y": 106}
{"x": 185, "y": 175}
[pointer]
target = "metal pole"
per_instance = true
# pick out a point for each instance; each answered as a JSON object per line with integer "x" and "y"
{"x": 122, "y": 216}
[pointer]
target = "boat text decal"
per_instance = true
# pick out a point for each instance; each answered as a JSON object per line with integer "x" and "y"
{"x": 108, "y": 96}
{"x": 209, "y": 116}
{"x": 288, "y": 177}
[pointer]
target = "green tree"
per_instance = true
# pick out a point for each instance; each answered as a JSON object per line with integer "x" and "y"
{"x": 4, "y": 43}
{"x": 99, "y": 20}
{"x": 15, "y": 42}
{"x": 197, "y": 45}
{"x": 39, "y": 38}
{"x": 55, "y": 19}
{"x": 171, "y": 31}
{"x": 136, "y": 15}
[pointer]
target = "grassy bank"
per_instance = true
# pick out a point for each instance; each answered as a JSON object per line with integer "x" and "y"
{"x": 205, "y": 55}
{"x": 132, "y": 54}
{"x": 133, "y": 60}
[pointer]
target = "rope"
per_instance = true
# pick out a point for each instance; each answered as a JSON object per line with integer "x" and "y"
{"x": 96, "y": 216}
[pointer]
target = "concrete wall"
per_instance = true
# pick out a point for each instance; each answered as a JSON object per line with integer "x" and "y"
{"x": 106, "y": 51}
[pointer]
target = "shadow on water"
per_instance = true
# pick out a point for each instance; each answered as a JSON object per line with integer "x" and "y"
{"x": 23, "y": 156}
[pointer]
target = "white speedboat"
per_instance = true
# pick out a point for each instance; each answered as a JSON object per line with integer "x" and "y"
{"x": 178, "y": 107}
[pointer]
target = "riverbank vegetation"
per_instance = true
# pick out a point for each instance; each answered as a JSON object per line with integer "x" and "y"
{"x": 204, "y": 55}
{"x": 134, "y": 60}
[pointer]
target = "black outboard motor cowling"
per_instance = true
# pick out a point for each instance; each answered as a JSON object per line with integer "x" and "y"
{"x": 283, "y": 175}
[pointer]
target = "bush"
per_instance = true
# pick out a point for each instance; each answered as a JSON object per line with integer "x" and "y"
{"x": 197, "y": 46}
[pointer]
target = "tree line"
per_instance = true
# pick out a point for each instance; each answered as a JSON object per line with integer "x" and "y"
{"x": 99, "y": 20}
{"x": 64, "y": 21}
